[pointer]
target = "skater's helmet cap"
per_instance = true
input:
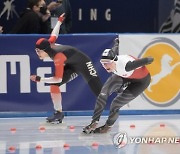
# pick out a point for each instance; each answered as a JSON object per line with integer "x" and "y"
{"x": 43, "y": 44}
{"x": 108, "y": 55}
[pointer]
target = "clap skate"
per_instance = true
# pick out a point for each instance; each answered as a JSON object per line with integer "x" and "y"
{"x": 89, "y": 129}
{"x": 56, "y": 118}
{"x": 103, "y": 129}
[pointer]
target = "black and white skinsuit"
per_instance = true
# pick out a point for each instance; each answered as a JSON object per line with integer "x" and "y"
{"x": 129, "y": 80}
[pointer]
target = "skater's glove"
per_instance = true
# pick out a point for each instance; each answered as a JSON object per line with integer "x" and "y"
{"x": 150, "y": 60}
{"x": 61, "y": 17}
{"x": 35, "y": 78}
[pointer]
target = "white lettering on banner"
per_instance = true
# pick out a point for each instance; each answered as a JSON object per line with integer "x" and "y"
{"x": 24, "y": 63}
{"x": 25, "y": 82}
{"x": 80, "y": 15}
{"x": 41, "y": 87}
{"x": 91, "y": 69}
{"x": 108, "y": 15}
{"x": 94, "y": 14}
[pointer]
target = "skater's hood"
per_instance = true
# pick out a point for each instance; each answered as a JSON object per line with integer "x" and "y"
{"x": 43, "y": 44}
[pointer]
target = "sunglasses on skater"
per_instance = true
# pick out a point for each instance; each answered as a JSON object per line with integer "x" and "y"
{"x": 38, "y": 50}
{"x": 106, "y": 61}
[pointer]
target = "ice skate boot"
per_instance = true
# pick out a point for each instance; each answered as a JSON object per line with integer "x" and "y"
{"x": 89, "y": 129}
{"x": 56, "y": 118}
{"x": 103, "y": 129}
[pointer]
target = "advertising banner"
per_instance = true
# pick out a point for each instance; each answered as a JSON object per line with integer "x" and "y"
{"x": 18, "y": 60}
{"x": 164, "y": 89}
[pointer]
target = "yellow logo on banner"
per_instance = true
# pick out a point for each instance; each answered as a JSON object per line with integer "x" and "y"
{"x": 164, "y": 88}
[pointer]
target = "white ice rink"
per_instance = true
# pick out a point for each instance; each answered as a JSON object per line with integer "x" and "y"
{"x": 32, "y": 135}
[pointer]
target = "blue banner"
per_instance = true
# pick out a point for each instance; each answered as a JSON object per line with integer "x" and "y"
{"x": 18, "y": 60}
{"x": 115, "y": 16}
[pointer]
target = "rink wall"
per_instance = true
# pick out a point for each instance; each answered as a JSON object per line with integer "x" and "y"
{"x": 18, "y": 61}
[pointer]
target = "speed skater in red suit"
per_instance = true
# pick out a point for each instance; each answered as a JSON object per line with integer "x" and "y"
{"x": 69, "y": 62}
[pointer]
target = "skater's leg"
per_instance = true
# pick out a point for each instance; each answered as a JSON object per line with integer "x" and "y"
{"x": 133, "y": 90}
{"x": 119, "y": 101}
{"x": 58, "y": 115}
{"x": 90, "y": 75}
{"x": 112, "y": 84}
{"x": 56, "y": 97}
{"x": 95, "y": 85}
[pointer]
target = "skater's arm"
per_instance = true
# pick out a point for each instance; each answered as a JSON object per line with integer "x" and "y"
{"x": 131, "y": 65}
{"x": 59, "y": 60}
{"x": 55, "y": 32}
{"x": 115, "y": 47}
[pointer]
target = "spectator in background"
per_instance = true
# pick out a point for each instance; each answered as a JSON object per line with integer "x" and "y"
{"x": 34, "y": 19}
{"x": 172, "y": 23}
{"x": 53, "y": 5}
{"x": 1, "y": 29}
{"x": 56, "y": 12}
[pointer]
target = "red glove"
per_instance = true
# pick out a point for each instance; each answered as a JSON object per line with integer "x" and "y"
{"x": 61, "y": 17}
{"x": 35, "y": 78}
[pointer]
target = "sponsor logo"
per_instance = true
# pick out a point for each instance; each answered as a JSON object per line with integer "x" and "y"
{"x": 24, "y": 64}
{"x": 9, "y": 7}
{"x": 20, "y": 65}
{"x": 164, "y": 89}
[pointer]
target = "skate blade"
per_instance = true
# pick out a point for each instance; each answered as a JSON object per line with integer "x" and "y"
{"x": 101, "y": 132}
{"x": 54, "y": 122}
{"x": 87, "y": 132}
{"x": 50, "y": 126}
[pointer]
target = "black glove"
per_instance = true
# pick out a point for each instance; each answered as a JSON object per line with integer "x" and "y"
{"x": 150, "y": 60}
